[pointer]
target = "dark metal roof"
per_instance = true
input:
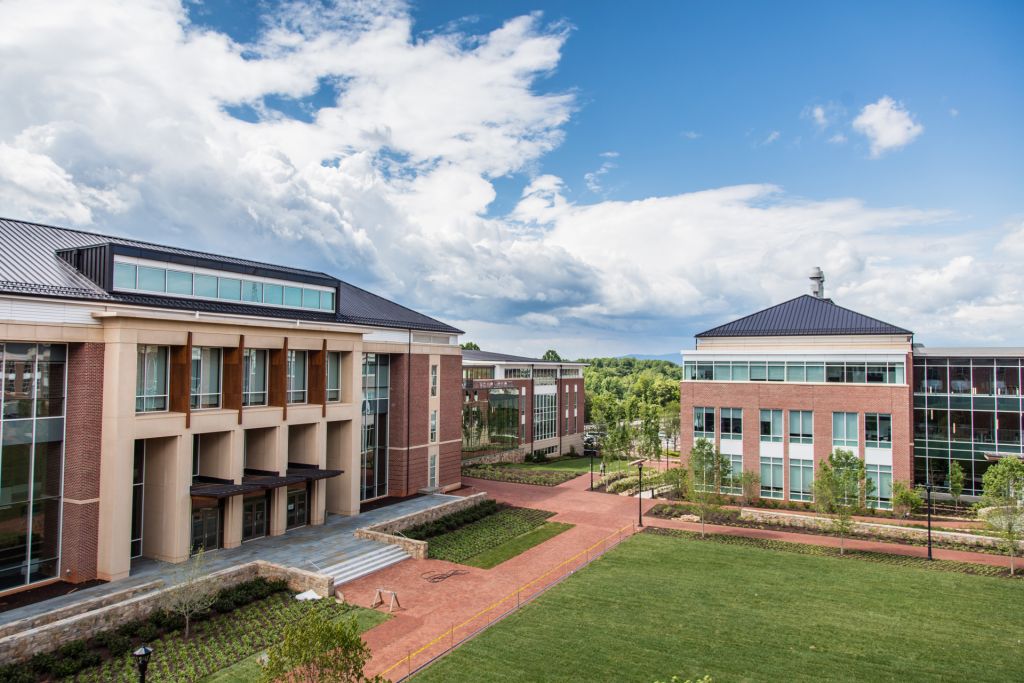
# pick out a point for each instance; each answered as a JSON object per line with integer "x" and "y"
{"x": 212, "y": 487}
{"x": 29, "y": 266}
{"x": 804, "y": 315}
{"x": 492, "y": 357}
{"x": 268, "y": 480}
{"x": 311, "y": 472}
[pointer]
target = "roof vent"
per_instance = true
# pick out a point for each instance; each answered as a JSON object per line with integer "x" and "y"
{"x": 817, "y": 283}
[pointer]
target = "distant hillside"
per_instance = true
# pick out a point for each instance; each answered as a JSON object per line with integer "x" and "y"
{"x": 670, "y": 357}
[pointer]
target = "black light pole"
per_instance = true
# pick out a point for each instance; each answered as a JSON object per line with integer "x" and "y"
{"x": 640, "y": 497}
{"x": 591, "y": 470}
{"x": 142, "y": 656}
{"x": 928, "y": 489}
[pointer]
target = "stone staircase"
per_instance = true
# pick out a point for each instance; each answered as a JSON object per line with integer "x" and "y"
{"x": 364, "y": 557}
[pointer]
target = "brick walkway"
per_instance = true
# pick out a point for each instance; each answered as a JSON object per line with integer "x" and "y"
{"x": 429, "y": 610}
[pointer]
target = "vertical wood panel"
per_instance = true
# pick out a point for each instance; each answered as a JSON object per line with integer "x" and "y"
{"x": 318, "y": 377}
{"x": 278, "y": 381}
{"x": 181, "y": 379}
{"x": 232, "y": 386}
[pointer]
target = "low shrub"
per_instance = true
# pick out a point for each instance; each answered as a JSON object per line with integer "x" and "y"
{"x": 16, "y": 673}
{"x": 453, "y": 521}
{"x": 517, "y": 475}
{"x": 116, "y": 643}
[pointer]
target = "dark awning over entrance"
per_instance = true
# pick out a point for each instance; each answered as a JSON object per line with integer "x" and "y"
{"x": 268, "y": 479}
{"x": 212, "y": 487}
{"x": 311, "y": 472}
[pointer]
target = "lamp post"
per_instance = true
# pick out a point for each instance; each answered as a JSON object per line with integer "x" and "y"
{"x": 640, "y": 494}
{"x": 142, "y": 656}
{"x": 591, "y": 469}
{"x": 928, "y": 489}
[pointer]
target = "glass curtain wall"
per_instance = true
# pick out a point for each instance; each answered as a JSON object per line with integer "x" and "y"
{"x": 545, "y": 415}
{"x": 376, "y": 375}
{"x": 490, "y": 420}
{"x": 31, "y": 461}
{"x": 965, "y": 409}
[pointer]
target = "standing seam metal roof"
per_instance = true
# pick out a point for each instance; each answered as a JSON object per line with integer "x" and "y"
{"x": 29, "y": 266}
{"x": 804, "y": 315}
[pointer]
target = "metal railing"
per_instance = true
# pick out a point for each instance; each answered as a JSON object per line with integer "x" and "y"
{"x": 451, "y": 638}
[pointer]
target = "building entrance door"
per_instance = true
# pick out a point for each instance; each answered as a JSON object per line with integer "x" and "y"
{"x": 297, "y": 508}
{"x": 205, "y": 529}
{"x": 254, "y": 518}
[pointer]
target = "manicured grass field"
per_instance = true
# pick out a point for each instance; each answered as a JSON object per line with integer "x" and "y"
{"x": 658, "y": 606}
{"x": 490, "y": 541}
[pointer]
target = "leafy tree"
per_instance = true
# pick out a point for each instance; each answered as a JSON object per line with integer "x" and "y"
{"x": 551, "y": 355}
{"x": 648, "y": 432}
{"x": 956, "y": 481}
{"x": 319, "y": 648}
{"x": 470, "y": 346}
{"x": 838, "y": 484}
{"x": 1002, "y": 507}
{"x": 707, "y": 469}
{"x": 192, "y": 594}
{"x": 905, "y": 500}
{"x": 750, "y": 485}
{"x": 670, "y": 422}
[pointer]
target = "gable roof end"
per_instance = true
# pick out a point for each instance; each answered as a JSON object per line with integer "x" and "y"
{"x": 805, "y": 315}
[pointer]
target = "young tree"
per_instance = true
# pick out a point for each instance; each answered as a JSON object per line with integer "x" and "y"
{"x": 905, "y": 500}
{"x": 192, "y": 594}
{"x": 707, "y": 469}
{"x": 838, "y": 485}
{"x": 319, "y": 648}
{"x": 956, "y": 481}
{"x": 648, "y": 433}
{"x": 750, "y": 484}
{"x": 1002, "y": 505}
{"x": 670, "y": 423}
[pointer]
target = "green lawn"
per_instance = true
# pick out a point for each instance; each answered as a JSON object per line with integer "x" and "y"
{"x": 658, "y": 606}
{"x": 490, "y": 541}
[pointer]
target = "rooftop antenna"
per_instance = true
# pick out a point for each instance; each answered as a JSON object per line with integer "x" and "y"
{"x": 817, "y": 283}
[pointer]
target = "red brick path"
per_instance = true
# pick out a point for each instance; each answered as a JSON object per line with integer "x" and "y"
{"x": 429, "y": 610}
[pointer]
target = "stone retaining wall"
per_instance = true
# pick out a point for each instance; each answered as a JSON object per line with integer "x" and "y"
{"x": 900, "y": 533}
{"x": 28, "y": 637}
{"x": 517, "y": 455}
{"x": 387, "y": 532}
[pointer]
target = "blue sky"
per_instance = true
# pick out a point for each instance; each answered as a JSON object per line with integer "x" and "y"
{"x": 599, "y": 177}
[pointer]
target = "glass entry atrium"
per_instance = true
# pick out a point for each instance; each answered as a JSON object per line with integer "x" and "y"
{"x": 965, "y": 409}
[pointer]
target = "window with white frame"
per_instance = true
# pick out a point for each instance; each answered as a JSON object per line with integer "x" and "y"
{"x": 433, "y": 426}
{"x": 801, "y": 479}
{"x": 731, "y": 484}
{"x": 254, "y": 377}
{"x": 772, "y": 485}
{"x": 704, "y": 423}
{"x": 801, "y": 426}
{"x": 151, "y": 378}
{"x": 878, "y": 430}
{"x": 206, "y": 372}
{"x": 771, "y": 426}
{"x": 297, "y": 376}
{"x": 881, "y": 493}
{"x": 732, "y": 423}
{"x": 433, "y": 380}
{"x": 333, "y": 376}
{"x": 844, "y": 430}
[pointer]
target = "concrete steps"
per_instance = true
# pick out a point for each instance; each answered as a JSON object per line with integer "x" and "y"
{"x": 366, "y": 560}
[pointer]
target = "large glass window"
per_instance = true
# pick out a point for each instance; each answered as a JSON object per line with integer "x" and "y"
{"x": 732, "y": 423}
{"x": 545, "y": 414}
{"x": 881, "y": 495}
{"x": 297, "y": 374}
{"x": 206, "y": 372}
{"x": 151, "y": 378}
{"x": 704, "y": 423}
{"x": 433, "y": 426}
{"x": 433, "y": 380}
{"x": 772, "y": 485}
{"x": 801, "y": 426}
{"x": 31, "y": 461}
{"x": 878, "y": 430}
{"x": 254, "y": 377}
{"x": 333, "y": 376}
{"x": 844, "y": 430}
{"x": 794, "y": 371}
{"x": 801, "y": 479}
{"x": 771, "y": 426}
{"x": 374, "y": 458}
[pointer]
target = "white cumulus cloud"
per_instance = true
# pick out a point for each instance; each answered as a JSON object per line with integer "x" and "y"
{"x": 887, "y": 125}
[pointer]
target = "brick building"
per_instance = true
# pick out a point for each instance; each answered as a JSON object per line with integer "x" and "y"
{"x": 517, "y": 403}
{"x": 156, "y": 400}
{"x": 778, "y": 390}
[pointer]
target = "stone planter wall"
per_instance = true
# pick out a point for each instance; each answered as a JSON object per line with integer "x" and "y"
{"x": 28, "y": 637}
{"x": 899, "y": 533}
{"x": 389, "y": 531}
{"x": 517, "y": 455}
